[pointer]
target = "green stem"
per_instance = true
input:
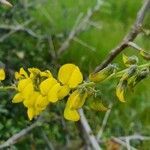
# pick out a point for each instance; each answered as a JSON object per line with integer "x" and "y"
{"x": 7, "y": 88}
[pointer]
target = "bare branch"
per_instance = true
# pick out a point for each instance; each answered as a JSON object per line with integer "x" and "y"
{"x": 129, "y": 37}
{"x": 107, "y": 114}
{"x": 124, "y": 144}
{"x": 88, "y": 131}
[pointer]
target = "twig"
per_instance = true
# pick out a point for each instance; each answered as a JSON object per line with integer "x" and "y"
{"x": 124, "y": 144}
{"x": 50, "y": 146}
{"x": 16, "y": 137}
{"x": 107, "y": 114}
{"x": 129, "y": 37}
{"x": 84, "y": 44}
{"x": 88, "y": 131}
{"x": 13, "y": 29}
{"x": 77, "y": 29}
{"x": 135, "y": 137}
{"x": 135, "y": 46}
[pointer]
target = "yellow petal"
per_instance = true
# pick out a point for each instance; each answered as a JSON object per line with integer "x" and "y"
{"x": 53, "y": 93}
{"x": 120, "y": 89}
{"x": 17, "y": 98}
{"x": 23, "y": 83}
{"x": 41, "y": 102}
{"x": 69, "y": 74}
{"x": 28, "y": 90}
{"x": 46, "y": 85}
{"x": 2, "y": 74}
{"x": 63, "y": 92}
{"x": 31, "y": 113}
{"x": 72, "y": 115}
{"x": 76, "y": 99}
{"x": 31, "y": 100}
{"x": 46, "y": 73}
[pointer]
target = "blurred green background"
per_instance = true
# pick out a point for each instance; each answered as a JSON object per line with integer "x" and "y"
{"x": 44, "y": 27}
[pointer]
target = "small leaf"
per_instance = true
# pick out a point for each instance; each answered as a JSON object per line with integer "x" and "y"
{"x": 98, "y": 106}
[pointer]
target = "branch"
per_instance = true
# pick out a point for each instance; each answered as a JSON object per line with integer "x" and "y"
{"x": 135, "y": 30}
{"x": 88, "y": 131}
{"x": 107, "y": 114}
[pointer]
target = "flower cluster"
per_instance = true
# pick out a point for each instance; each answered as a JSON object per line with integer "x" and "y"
{"x": 36, "y": 89}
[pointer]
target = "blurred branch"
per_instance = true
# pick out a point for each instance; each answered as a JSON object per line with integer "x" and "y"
{"x": 136, "y": 29}
{"x": 124, "y": 144}
{"x": 49, "y": 144}
{"x": 84, "y": 44}
{"x": 87, "y": 130}
{"x": 4, "y": 2}
{"x": 107, "y": 114}
{"x": 13, "y": 29}
{"x": 79, "y": 27}
{"x": 17, "y": 137}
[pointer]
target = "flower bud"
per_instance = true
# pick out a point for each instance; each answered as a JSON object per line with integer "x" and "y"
{"x": 120, "y": 90}
{"x": 103, "y": 74}
{"x": 145, "y": 54}
{"x": 2, "y": 74}
{"x": 129, "y": 60}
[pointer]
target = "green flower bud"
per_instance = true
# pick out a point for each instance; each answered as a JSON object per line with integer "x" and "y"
{"x": 145, "y": 54}
{"x": 103, "y": 74}
{"x": 129, "y": 60}
{"x": 120, "y": 90}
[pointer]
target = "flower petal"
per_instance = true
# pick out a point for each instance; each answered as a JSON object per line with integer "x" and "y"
{"x": 63, "y": 92}
{"x": 17, "y": 98}
{"x": 53, "y": 93}
{"x": 2, "y": 74}
{"x": 46, "y": 85}
{"x": 72, "y": 115}
{"x": 31, "y": 113}
{"x": 69, "y": 74}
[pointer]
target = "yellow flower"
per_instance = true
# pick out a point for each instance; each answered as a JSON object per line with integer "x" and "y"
{"x": 76, "y": 99}
{"x": 70, "y": 114}
{"x": 18, "y": 98}
{"x": 21, "y": 74}
{"x": 2, "y": 74}
{"x": 70, "y": 75}
{"x": 46, "y": 85}
{"x": 53, "y": 93}
{"x": 63, "y": 92}
{"x": 30, "y": 101}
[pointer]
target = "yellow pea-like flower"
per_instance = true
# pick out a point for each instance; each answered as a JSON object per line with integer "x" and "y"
{"x": 71, "y": 115}
{"x": 23, "y": 83}
{"x": 120, "y": 90}
{"x": 46, "y": 73}
{"x": 46, "y": 85}
{"x": 2, "y": 74}
{"x": 21, "y": 74}
{"x": 53, "y": 93}
{"x": 63, "y": 92}
{"x": 30, "y": 101}
{"x": 69, "y": 74}
{"x": 18, "y": 98}
{"x": 31, "y": 113}
{"x": 41, "y": 102}
{"x": 77, "y": 99}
